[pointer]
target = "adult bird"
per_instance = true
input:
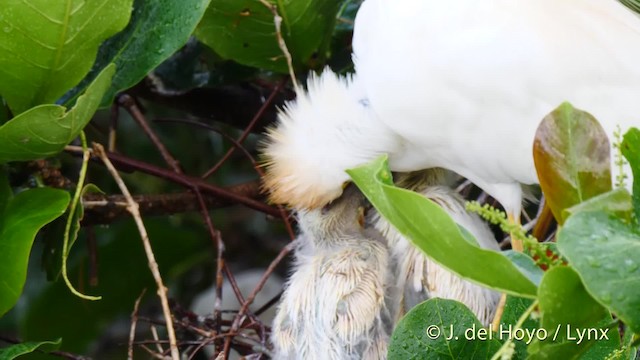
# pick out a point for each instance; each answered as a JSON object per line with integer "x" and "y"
{"x": 460, "y": 85}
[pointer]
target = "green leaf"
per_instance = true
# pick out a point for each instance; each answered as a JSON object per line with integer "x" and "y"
{"x": 23, "y": 217}
{"x": 441, "y": 329}
{"x": 514, "y": 308}
{"x": 15, "y": 351}
{"x": 616, "y": 201}
{"x": 571, "y": 154}
{"x": 564, "y": 301}
{"x": 431, "y": 229}
{"x": 632, "y": 4}
{"x": 157, "y": 29}
{"x": 45, "y": 130}
{"x": 244, "y": 31}
{"x": 566, "y": 308}
{"x": 526, "y": 265}
{"x": 47, "y": 47}
{"x": 606, "y": 254}
{"x": 630, "y": 148}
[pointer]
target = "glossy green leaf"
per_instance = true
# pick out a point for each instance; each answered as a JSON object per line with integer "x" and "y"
{"x": 564, "y": 301}
{"x": 441, "y": 329}
{"x": 244, "y": 31}
{"x": 431, "y": 229}
{"x": 46, "y": 129}
{"x": 571, "y": 155}
{"x": 606, "y": 254}
{"x": 631, "y": 150}
{"x": 514, "y": 307}
{"x": 566, "y": 309}
{"x": 47, "y": 47}
{"x": 157, "y": 29}
{"x": 17, "y": 350}
{"x": 616, "y": 201}
{"x": 22, "y": 218}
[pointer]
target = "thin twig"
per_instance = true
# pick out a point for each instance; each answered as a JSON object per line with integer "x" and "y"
{"x": 284, "y": 214}
{"x": 277, "y": 21}
{"x": 156, "y": 338}
{"x": 113, "y": 127}
{"x": 153, "y": 265}
{"x": 153, "y": 353}
{"x": 246, "y": 131}
{"x": 239, "y": 318}
{"x": 134, "y": 322}
{"x": 127, "y": 102}
{"x": 72, "y": 211}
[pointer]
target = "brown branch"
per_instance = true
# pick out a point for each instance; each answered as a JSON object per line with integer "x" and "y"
{"x": 106, "y": 209}
{"x": 259, "y": 114}
{"x": 124, "y": 163}
{"x": 239, "y": 318}
{"x": 235, "y": 105}
{"x": 128, "y": 103}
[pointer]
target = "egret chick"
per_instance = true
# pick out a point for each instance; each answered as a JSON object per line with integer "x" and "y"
{"x": 334, "y": 305}
{"x": 418, "y": 277}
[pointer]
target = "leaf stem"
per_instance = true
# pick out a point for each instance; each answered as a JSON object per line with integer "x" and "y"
{"x": 506, "y": 347}
{"x": 72, "y": 210}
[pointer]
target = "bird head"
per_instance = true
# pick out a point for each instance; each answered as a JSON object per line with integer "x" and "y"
{"x": 328, "y": 129}
{"x": 342, "y": 217}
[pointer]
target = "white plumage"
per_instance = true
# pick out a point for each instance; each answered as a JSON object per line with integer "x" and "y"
{"x": 457, "y": 84}
{"x": 334, "y": 305}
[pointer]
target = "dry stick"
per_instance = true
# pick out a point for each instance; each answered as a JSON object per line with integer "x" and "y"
{"x": 153, "y": 353}
{"x": 277, "y": 21}
{"x": 156, "y": 339}
{"x": 134, "y": 322}
{"x": 153, "y": 265}
{"x": 243, "y": 309}
{"x": 113, "y": 126}
{"x": 127, "y": 102}
{"x": 246, "y": 131}
{"x": 217, "y": 239}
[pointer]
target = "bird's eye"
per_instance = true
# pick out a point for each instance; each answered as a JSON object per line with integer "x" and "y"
{"x": 325, "y": 209}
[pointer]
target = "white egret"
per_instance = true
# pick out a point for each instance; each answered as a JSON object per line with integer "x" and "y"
{"x": 460, "y": 85}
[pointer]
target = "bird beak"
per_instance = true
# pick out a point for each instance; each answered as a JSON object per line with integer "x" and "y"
{"x": 361, "y": 215}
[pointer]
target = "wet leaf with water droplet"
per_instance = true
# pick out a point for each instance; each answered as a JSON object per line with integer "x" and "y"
{"x": 151, "y": 37}
{"x": 41, "y": 59}
{"x": 617, "y": 253}
{"x": 435, "y": 329}
{"x": 566, "y": 306}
